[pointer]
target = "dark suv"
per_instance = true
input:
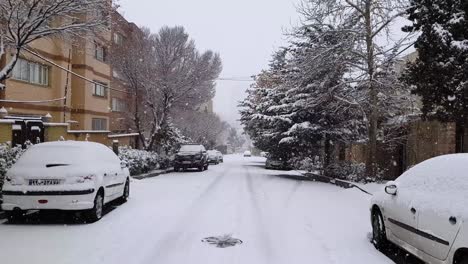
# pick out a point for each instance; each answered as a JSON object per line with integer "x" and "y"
{"x": 191, "y": 156}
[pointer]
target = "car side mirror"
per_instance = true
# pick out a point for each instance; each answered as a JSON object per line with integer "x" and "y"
{"x": 123, "y": 164}
{"x": 391, "y": 188}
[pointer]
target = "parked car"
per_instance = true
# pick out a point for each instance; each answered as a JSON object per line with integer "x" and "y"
{"x": 424, "y": 211}
{"x": 263, "y": 154}
{"x": 276, "y": 164}
{"x": 69, "y": 176}
{"x": 220, "y": 156}
{"x": 213, "y": 156}
{"x": 191, "y": 156}
{"x": 247, "y": 153}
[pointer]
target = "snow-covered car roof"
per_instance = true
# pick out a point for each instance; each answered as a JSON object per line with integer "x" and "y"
{"x": 66, "y": 152}
{"x": 439, "y": 183}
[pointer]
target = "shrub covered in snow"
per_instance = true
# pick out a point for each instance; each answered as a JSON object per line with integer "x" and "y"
{"x": 346, "y": 170}
{"x": 139, "y": 161}
{"x": 307, "y": 164}
{"x": 8, "y": 156}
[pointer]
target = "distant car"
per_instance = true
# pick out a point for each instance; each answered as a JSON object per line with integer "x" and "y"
{"x": 213, "y": 156}
{"x": 69, "y": 176}
{"x": 191, "y": 156}
{"x": 247, "y": 153}
{"x": 276, "y": 164}
{"x": 263, "y": 154}
{"x": 220, "y": 156}
{"x": 424, "y": 211}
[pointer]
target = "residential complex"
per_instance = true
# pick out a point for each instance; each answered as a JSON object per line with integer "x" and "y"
{"x": 70, "y": 82}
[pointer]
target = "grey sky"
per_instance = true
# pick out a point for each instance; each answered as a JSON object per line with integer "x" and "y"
{"x": 244, "y": 32}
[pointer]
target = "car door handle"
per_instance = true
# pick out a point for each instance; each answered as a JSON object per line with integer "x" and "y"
{"x": 453, "y": 220}
{"x": 413, "y": 210}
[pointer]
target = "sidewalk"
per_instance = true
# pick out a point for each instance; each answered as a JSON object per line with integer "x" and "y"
{"x": 152, "y": 174}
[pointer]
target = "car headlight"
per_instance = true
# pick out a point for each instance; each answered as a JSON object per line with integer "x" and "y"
{"x": 14, "y": 181}
{"x": 83, "y": 179}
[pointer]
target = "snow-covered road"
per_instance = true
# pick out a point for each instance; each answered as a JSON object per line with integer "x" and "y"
{"x": 279, "y": 220}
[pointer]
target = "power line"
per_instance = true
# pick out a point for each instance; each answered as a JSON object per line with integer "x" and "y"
{"x": 236, "y": 79}
{"x": 33, "y": 102}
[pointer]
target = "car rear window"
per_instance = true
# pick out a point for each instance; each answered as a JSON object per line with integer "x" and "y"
{"x": 191, "y": 148}
{"x": 43, "y": 156}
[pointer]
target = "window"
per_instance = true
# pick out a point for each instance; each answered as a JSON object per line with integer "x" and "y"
{"x": 99, "y": 124}
{"x": 100, "y": 89}
{"x": 118, "y": 39}
{"x": 31, "y": 72}
{"x": 100, "y": 52}
{"x": 118, "y": 105}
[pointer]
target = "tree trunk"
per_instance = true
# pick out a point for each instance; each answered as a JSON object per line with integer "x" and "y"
{"x": 371, "y": 166}
{"x": 460, "y": 136}
{"x": 328, "y": 153}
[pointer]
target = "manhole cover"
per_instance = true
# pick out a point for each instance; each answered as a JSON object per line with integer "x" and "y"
{"x": 222, "y": 241}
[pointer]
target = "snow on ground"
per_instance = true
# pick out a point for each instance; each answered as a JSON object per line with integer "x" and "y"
{"x": 279, "y": 220}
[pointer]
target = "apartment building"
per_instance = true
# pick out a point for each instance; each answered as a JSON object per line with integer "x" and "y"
{"x": 121, "y": 98}
{"x": 38, "y": 88}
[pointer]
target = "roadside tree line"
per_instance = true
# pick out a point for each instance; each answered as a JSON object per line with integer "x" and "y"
{"x": 337, "y": 81}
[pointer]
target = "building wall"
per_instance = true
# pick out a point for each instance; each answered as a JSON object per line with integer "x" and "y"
{"x": 425, "y": 140}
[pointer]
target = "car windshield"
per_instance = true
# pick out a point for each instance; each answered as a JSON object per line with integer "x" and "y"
{"x": 53, "y": 155}
{"x": 190, "y": 148}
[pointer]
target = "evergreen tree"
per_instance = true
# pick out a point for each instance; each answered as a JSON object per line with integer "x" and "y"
{"x": 440, "y": 73}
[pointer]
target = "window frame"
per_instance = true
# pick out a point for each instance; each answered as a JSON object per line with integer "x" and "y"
{"x": 102, "y": 124}
{"x": 118, "y": 105}
{"x": 103, "y": 88}
{"x": 100, "y": 56}
{"x": 31, "y": 72}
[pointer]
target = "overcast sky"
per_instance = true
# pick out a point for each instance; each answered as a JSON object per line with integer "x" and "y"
{"x": 244, "y": 32}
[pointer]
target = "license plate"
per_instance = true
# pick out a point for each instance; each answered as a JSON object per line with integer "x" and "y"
{"x": 39, "y": 182}
{"x": 186, "y": 162}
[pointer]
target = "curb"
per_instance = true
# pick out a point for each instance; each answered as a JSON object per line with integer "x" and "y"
{"x": 339, "y": 183}
{"x": 152, "y": 174}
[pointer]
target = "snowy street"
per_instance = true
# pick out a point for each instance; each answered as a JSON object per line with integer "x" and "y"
{"x": 279, "y": 220}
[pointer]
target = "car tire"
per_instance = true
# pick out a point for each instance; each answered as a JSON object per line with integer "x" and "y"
{"x": 14, "y": 216}
{"x": 379, "y": 236}
{"x": 126, "y": 192}
{"x": 463, "y": 260}
{"x": 206, "y": 167}
{"x": 200, "y": 168}
{"x": 95, "y": 214}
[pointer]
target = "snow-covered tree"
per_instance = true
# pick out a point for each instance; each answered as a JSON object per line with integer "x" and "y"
{"x": 24, "y": 21}
{"x": 368, "y": 23}
{"x": 181, "y": 77}
{"x": 440, "y": 73}
{"x": 234, "y": 140}
{"x": 200, "y": 127}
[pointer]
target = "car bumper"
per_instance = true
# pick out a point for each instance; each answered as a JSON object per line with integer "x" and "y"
{"x": 56, "y": 200}
{"x": 189, "y": 164}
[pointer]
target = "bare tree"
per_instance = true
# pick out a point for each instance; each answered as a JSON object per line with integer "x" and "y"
{"x": 133, "y": 68}
{"x": 369, "y": 24}
{"x": 24, "y": 21}
{"x": 181, "y": 78}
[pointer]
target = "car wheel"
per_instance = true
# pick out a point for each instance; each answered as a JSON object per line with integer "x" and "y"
{"x": 206, "y": 167}
{"x": 201, "y": 168}
{"x": 126, "y": 192}
{"x": 14, "y": 216}
{"x": 462, "y": 260}
{"x": 95, "y": 214}
{"x": 379, "y": 237}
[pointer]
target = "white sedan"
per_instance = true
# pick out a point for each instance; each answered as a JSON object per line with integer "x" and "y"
{"x": 71, "y": 176}
{"x": 425, "y": 211}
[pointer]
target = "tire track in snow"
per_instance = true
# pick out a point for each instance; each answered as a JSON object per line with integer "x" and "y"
{"x": 258, "y": 218}
{"x": 173, "y": 239}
